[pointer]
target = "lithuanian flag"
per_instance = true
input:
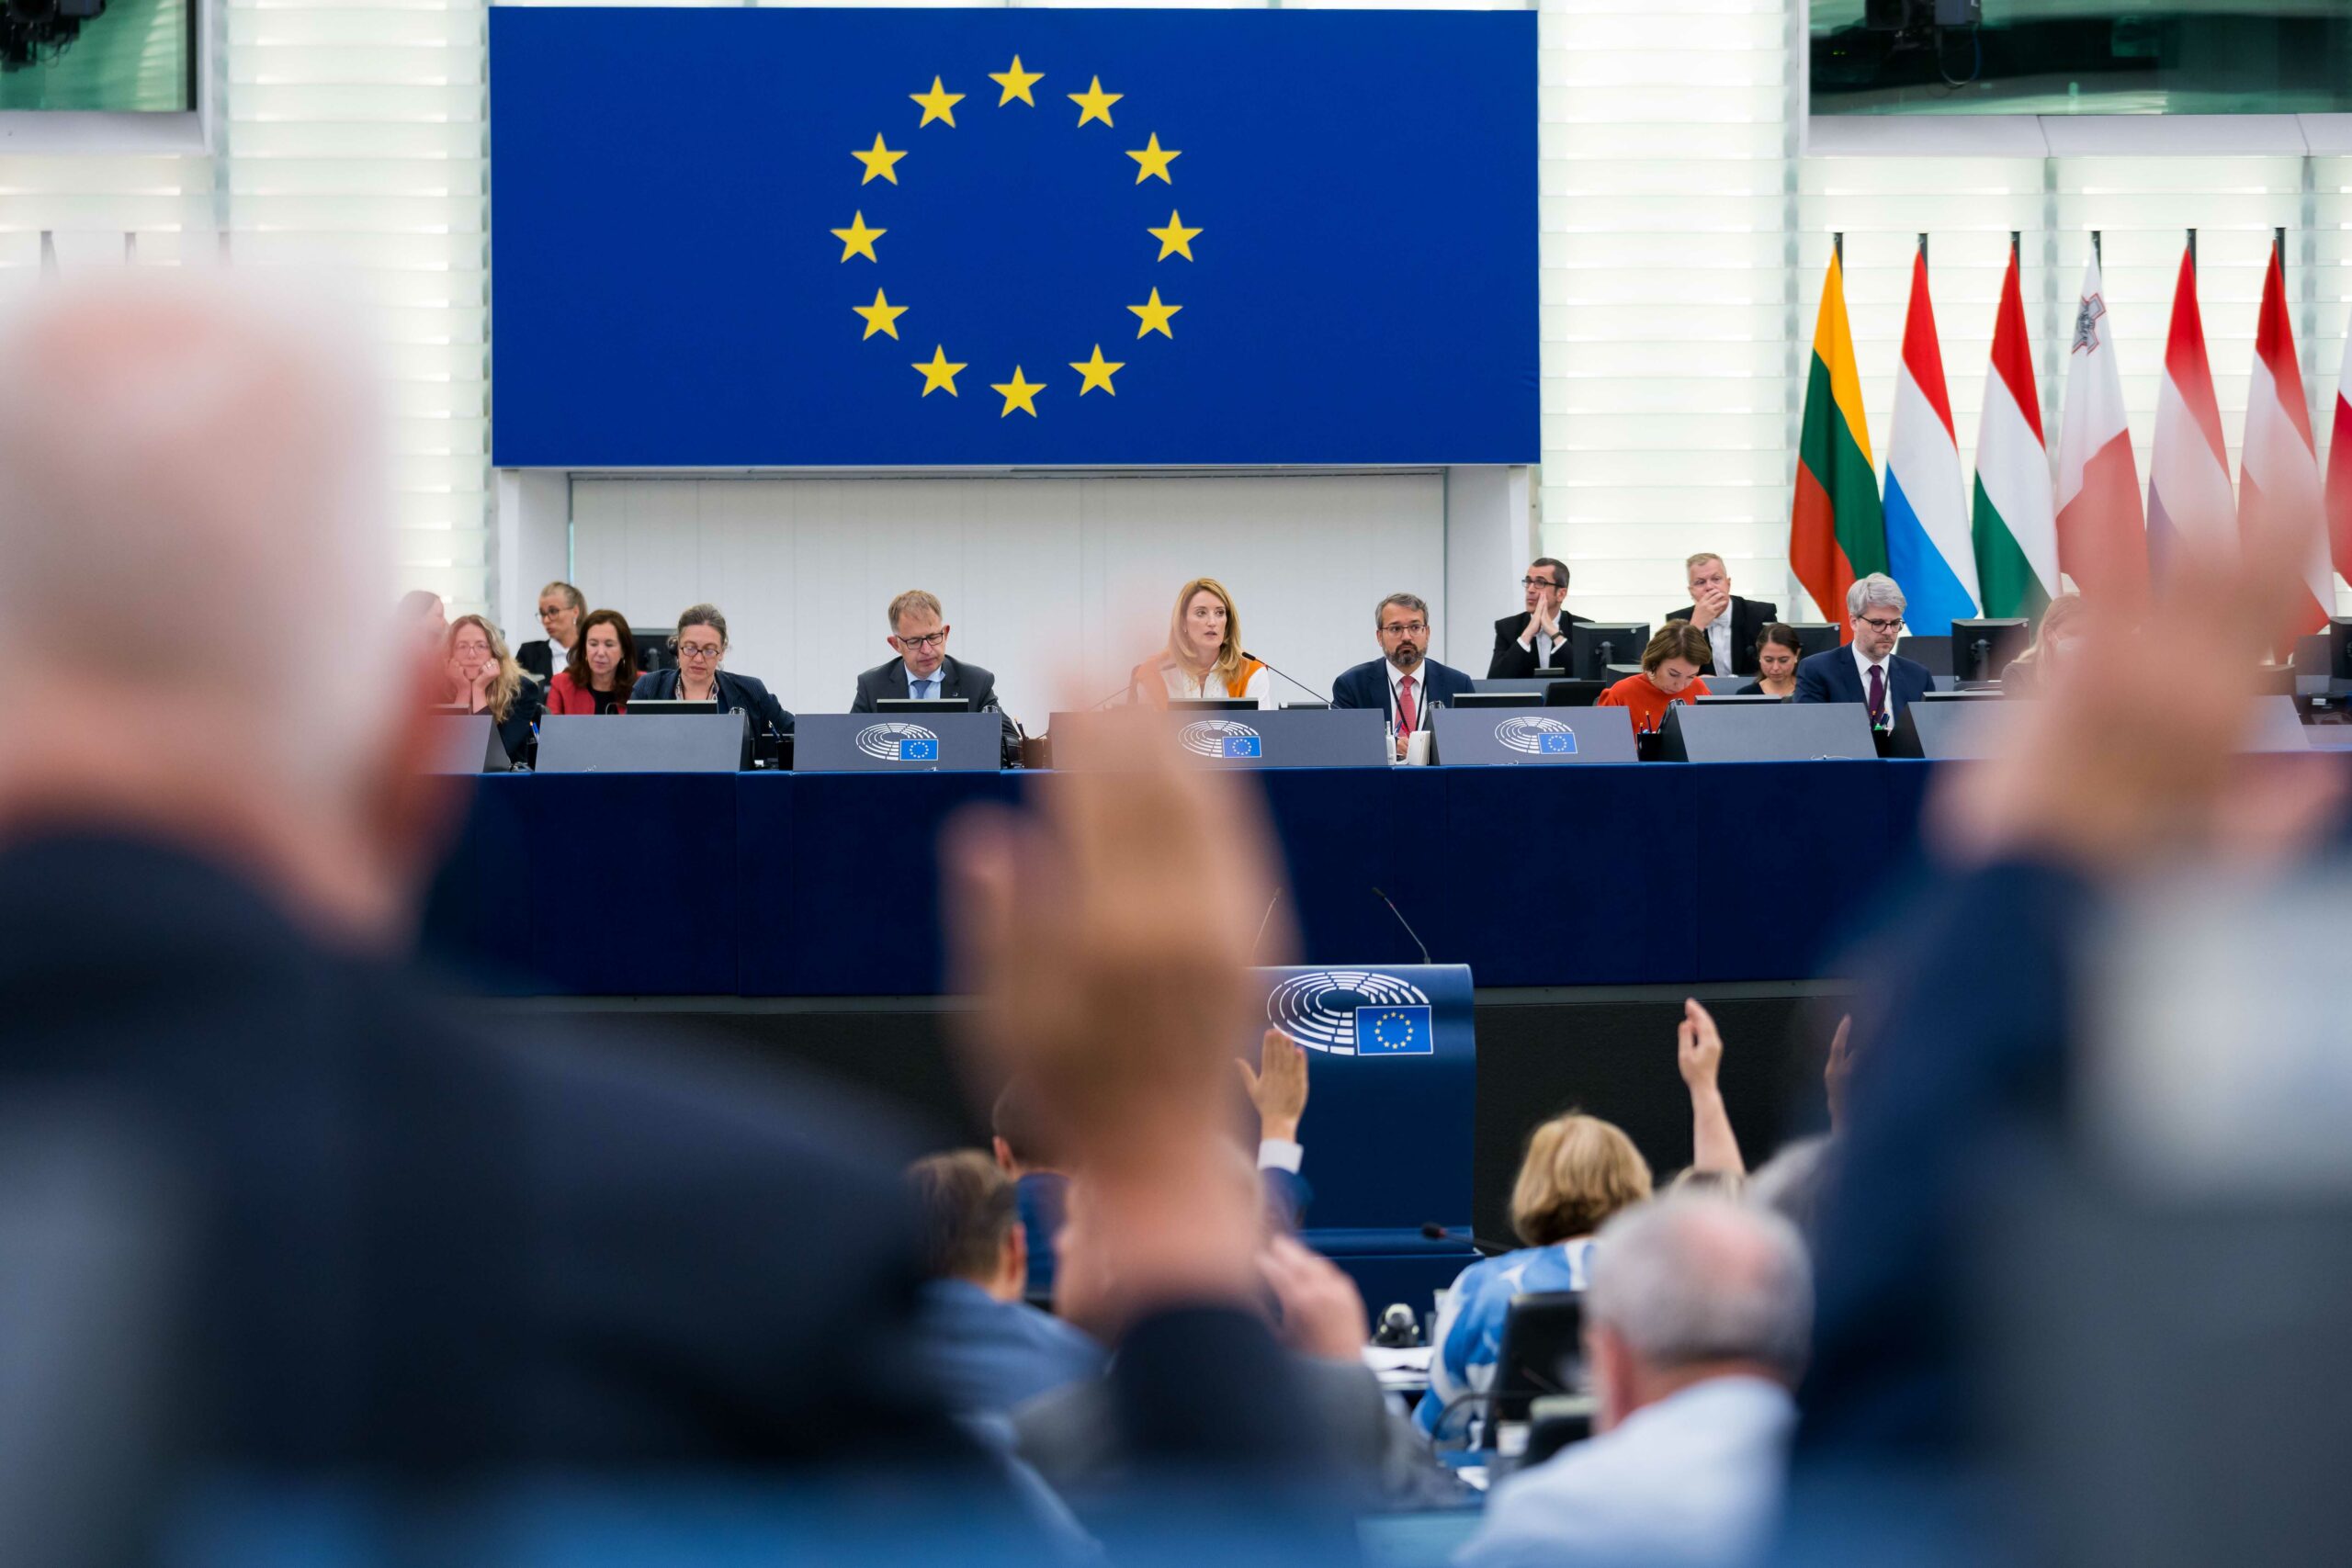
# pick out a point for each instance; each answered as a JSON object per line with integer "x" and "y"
{"x": 1837, "y": 530}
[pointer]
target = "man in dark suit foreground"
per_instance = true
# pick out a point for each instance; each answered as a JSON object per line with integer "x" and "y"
{"x": 1734, "y": 626}
{"x": 1537, "y": 636}
{"x": 919, "y": 631}
{"x": 1406, "y": 683}
{"x": 1867, "y": 671}
{"x": 420, "y": 1246}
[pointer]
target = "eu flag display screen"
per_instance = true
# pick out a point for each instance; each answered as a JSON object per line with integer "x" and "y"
{"x": 843, "y": 238}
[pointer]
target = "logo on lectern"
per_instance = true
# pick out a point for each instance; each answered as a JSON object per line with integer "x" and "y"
{"x": 899, "y": 743}
{"x": 1537, "y": 736}
{"x": 1353, "y": 1012}
{"x": 1220, "y": 738}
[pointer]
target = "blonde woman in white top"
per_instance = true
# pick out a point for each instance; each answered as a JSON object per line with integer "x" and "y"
{"x": 1204, "y": 656}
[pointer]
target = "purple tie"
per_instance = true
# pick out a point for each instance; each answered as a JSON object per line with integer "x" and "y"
{"x": 1878, "y": 695}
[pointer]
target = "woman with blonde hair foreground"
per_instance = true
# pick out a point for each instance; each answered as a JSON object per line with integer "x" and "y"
{"x": 1579, "y": 1171}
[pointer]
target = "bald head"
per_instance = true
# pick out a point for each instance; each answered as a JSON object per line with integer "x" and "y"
{"x": 193, "y": 563}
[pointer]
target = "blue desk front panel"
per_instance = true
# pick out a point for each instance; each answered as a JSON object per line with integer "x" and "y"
{"x": 764, "y": 883}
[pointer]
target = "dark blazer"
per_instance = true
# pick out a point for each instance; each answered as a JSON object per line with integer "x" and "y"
{"x": 1831, "y": 678}
{"x": 956, "y": 679}
{"x": 514, "y": 732}
{"x": 734, "y": 691}
{"x": 420, "y": 1243}
{"x": 1748, "y": 619}
{"x": 1509, "y": 659}
{"x": 537, "y": 656}
{"x": 1366, "y": 686}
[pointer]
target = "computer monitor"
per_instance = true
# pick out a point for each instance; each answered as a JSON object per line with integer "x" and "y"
{"x": 1212, "y": 705}
{"x": 923, "y": 704}
{"x": 1573, "y": 693}
{"x": 1543, "y": 1350}
{"x": 1741, "y": 699}
{"x": 2339, "y": 648}
{"x": 1815, "y": 636}
{"x": 658, "y": 706}
{"x": 1982, "y": 650}
{"x": 448, "y": 710}
{"x": 1499, "y": 700}
{"x": 1981, "y": 694}
{"x": 653, "y": 649}
{"x": 1594, "y": 646}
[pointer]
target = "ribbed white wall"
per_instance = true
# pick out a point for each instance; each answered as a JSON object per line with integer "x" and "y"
{"x": 1058, "y": 585}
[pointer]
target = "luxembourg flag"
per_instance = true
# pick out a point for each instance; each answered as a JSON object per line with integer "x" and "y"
{"x": 1929, "y": 551}
{"x": 2101, "y": 543}
{"x": 2188, "y": 472}
{"x": 2278, "y": 469}
{"x": 2339, "y": 471}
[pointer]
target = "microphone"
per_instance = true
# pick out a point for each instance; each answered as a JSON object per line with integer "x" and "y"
{"x": 1126, "y": 690}
{"x": 1325, "y": 697}
{"x": 1406, "y": 923}
{"x": 1264, "y": 920}
{"x": 1478, "y": 1244}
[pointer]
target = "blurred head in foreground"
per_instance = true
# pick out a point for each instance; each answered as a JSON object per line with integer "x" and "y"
{"x": 971, "y": 1222}
{"x": 191, "y": 513}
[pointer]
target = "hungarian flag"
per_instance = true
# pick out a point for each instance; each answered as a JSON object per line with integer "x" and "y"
{"x": 2102, "y": 544}
{"x": 2278, "y": 489}
{"x": 2015, "y": 525}
{"x": 2188, "y": 472}
{"x": 1928, "y": 550}
{"x": 2339, "y": 471}
{"x": 1836, "y": 531}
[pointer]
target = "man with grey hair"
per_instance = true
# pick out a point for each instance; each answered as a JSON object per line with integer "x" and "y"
{"x": 1696, "y": 1325}
{"x": 1867, "y": 671}
{"x": 1406, "y": 682}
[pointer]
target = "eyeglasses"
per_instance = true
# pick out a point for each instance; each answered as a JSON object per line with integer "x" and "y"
{"x": 548, "y": 614}
{"x": 1895, "y": 624}
{"x": 1537, "y": 582}
{"x": 697, "y": 650}
{"x": 928, "y": 639}
{"x": 1400, "y": 627}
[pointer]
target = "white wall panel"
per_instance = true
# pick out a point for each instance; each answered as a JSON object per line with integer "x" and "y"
{"x": 1057, "y": 584}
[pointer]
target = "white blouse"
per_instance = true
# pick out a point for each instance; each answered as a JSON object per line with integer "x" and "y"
{"x": 1184, "y": 684}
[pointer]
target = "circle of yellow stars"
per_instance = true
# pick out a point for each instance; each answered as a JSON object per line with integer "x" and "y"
{"x": 1015, "y": 83}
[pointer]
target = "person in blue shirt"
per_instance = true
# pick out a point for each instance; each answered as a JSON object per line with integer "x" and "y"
{"x": 1579, "y": 1171}
{"x": 987, "y": 1350}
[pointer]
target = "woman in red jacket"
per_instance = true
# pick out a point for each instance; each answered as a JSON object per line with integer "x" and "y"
{"x": 1670, "y": 667}
{"x": 603, "y": 668}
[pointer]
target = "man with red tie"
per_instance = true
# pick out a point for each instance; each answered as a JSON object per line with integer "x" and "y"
{"x": 1408, "y": 681}
{"x": 1867, "y": 671}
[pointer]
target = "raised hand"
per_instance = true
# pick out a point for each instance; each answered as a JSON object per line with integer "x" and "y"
{"x": 1699, "y": 1046}
{"x": 1277, "y": 1085}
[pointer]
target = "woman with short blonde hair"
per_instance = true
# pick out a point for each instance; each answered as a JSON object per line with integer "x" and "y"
{"x": 1579, "y": 1171}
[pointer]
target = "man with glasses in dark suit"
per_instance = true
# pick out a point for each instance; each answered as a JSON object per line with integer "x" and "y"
{"x": 919, "y": 631}
{"x": 1867, "y": 670}
{"x": 1535, "y": 638}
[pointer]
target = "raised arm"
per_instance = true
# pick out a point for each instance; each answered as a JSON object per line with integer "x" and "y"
{"x": 1699, "y": 1051}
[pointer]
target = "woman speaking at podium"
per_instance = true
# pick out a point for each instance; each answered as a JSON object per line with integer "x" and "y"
{"x": 1204, "y": 656}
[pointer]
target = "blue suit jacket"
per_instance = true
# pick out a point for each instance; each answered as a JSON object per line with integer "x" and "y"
{"x": 1366, "y": 685}
{"x": 735, "y": 690}
{"x": 1831, "y": 677}
{"x": 990, "y": 1355}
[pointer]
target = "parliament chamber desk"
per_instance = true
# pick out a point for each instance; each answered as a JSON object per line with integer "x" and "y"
{"x": 827, "y": 884}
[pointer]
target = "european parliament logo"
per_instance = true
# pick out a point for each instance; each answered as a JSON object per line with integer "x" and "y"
{"x": 1353, "y": 1012}
{"x": 1221, "y": 737}
{"x": 899, "y": 743}
{"x": 1536, "y": 735}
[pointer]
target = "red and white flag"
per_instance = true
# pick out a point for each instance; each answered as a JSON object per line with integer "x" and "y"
{"x": 2339, "y": 471}
{"x": 2278, "y": 466}
{"x": 2188, "y": 472}
{"x": 2102, "y": 544}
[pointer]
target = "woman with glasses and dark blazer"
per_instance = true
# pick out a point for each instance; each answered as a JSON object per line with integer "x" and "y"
{"x": 700, "y": 645}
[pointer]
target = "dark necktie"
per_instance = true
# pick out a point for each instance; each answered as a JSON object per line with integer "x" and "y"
{"x": 1877, "y": 696}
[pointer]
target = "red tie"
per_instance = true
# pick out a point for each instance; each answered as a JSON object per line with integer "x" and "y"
{"x": 1407, "y": 716}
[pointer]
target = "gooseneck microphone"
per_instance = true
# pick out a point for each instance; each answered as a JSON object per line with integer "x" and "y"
{"x": 1478, "y": 1244}
{"x": 1406, "y": 923}
{"x": 1263, "y": 921}
{"x": 1323, "y": 697}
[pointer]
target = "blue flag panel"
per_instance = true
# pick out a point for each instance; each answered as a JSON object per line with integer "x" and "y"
{"x": 772, "y": 237}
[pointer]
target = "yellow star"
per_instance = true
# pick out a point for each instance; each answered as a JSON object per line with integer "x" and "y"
{"x": 937, "y": 103}
{"x": 857, "y": 240}
{"x": 1155, "y": 316}
{"x": 939, "y": 373}
{"x": 1016, "y": 84}
{"x": 1018, "y": 393}
{"x": 1174, "y": 241}
{"x": 1154, "y": 161}
{"x": 881, "y": 316}
{"x": 1095, "y": 102}
{"x": 1098, "y": 372}
{"x": 878, "y": 161}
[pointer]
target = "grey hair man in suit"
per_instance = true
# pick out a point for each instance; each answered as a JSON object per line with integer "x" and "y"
{"x": 919, "y": 631}
{"x": 1734, "y": 626}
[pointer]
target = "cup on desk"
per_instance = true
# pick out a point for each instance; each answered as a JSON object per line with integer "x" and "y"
{"x": 1417, "y": 749}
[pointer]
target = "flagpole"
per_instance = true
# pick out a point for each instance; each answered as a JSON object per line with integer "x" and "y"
{"x": 1922, "y": 247}
{"x": 2013, "y": 245}
{"x": 2192, "y": 250}
{"x": 1837, "y": 244}
{"x": 2095, "y": 250}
